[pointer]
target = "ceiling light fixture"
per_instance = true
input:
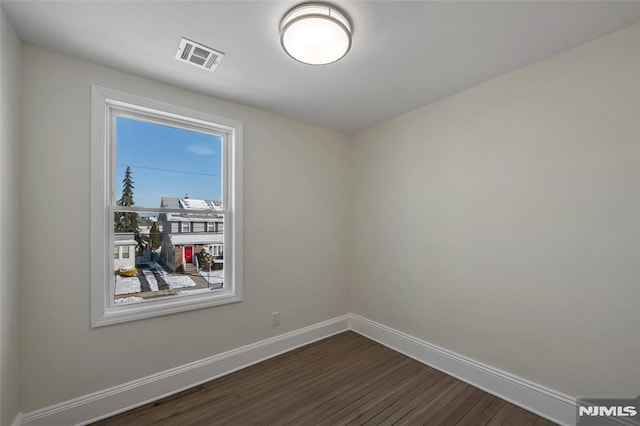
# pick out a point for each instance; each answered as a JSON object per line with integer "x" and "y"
{"x": 315, "y": 33}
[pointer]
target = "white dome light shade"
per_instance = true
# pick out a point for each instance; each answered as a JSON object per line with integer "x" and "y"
{"x": 315, "y": 34}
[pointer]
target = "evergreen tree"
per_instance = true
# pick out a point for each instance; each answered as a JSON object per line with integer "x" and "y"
{"x": 126, "y": 221}
{"x": 154, "y": 235}
{"x": 127, "y": 189}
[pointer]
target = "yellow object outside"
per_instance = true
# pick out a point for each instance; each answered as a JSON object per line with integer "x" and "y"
{"x": 128, "y": 272}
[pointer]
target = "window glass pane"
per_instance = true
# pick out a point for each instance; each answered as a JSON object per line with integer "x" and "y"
{"x": 162, "y": 261}
{"x": 158, "y": 166}
{"x": 155, "y": 161}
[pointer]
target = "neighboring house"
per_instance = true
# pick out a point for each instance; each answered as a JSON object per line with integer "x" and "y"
{"x": 185, "y": 234}
{"x": 145, "y": 224}
{"x": 124, "y": 250}
{"x": 144, "y": 232}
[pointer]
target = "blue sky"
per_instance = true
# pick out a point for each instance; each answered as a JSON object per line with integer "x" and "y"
{"x": 166, "y": 161}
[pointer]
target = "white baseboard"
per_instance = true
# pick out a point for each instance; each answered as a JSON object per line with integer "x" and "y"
{"x": 547, "y": 403}
{"x": 18, "y": 420}
{"x": 108, "y": 402}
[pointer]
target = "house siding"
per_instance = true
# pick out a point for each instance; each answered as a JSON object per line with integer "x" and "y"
{"x": 177, "y": 256}
{"x": 125, "y": 263}
{"x": 176, "y": 265}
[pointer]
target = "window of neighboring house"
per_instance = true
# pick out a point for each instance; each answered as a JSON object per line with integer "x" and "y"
{"x": 210, "y": 226}
{"x": 146, "y": 157}
{"x": 214, "y": 249}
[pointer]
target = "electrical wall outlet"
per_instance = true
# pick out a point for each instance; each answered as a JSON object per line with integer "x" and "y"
{"x": 275, "y": 319}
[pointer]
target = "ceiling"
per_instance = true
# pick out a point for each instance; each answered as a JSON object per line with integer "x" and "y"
{"x": 404, "y": 54}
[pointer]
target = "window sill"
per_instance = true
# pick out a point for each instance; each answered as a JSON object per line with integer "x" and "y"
{"x": 166, "y": 306}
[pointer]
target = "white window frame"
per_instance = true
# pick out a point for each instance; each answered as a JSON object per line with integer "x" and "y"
{"x": 106, "y": 104}
{"x": 183, "y": 227}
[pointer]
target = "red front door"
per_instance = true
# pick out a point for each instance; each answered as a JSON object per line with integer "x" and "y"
{"x": 188, "y": 254}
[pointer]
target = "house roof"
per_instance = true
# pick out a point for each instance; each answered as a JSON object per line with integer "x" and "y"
{"x": 196, "y": 210}
{"x": 185, "y": 239}
{"x": 124, "y": 239}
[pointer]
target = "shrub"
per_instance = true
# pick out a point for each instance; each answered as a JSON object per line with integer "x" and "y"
{"x": 205, "y": 259}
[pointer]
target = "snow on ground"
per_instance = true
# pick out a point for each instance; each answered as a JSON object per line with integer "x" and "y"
{"x": 126, "y": 285}
{"x": 125, "y": 300}
{"x": 213, "y": 277}
{"x": 153, "y": 283}
{"x": 174, "y": 281}
{"x": 196, "y": 291}
{"x": 179, "y": 281}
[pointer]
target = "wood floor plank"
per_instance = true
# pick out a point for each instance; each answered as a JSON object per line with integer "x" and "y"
{"x": 429, "y": 408}
{"x": 256, "y": 385}
{"x": 318, "y": 392}
{"x": 369, "y": 395}
{"x": 426, "y": 389}
{"x": 388, "y": 397}
{"x": 502, "y": 415}
{"x": 350, "y": 390}
{"x": 459, "y": 407}
{"x": 323, "y": 377}
{"x": 345, "y": 379}
{"x": 268, "y": 402}
{"x": 476, "y": 412}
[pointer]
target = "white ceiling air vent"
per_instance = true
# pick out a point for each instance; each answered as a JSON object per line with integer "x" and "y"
{"x": 198, "y": 54}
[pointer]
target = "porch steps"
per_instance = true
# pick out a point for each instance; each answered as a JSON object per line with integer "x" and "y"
{"x": 190, "y": 269}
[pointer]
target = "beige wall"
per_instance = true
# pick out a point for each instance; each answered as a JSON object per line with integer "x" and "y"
{"x": 502, "y": 223}
{"x": 295, "y": 235}
{"x": 10, "y": 69}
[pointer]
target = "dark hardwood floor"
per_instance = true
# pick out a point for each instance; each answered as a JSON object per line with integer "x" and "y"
{"x": 345, "y": 379}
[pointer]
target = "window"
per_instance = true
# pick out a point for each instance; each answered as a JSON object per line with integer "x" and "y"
{"x": 215, "y": 250}
{"x": 154, "y": 161}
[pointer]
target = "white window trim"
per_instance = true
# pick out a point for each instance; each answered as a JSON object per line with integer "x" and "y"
{"x": 103, "y": 311}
